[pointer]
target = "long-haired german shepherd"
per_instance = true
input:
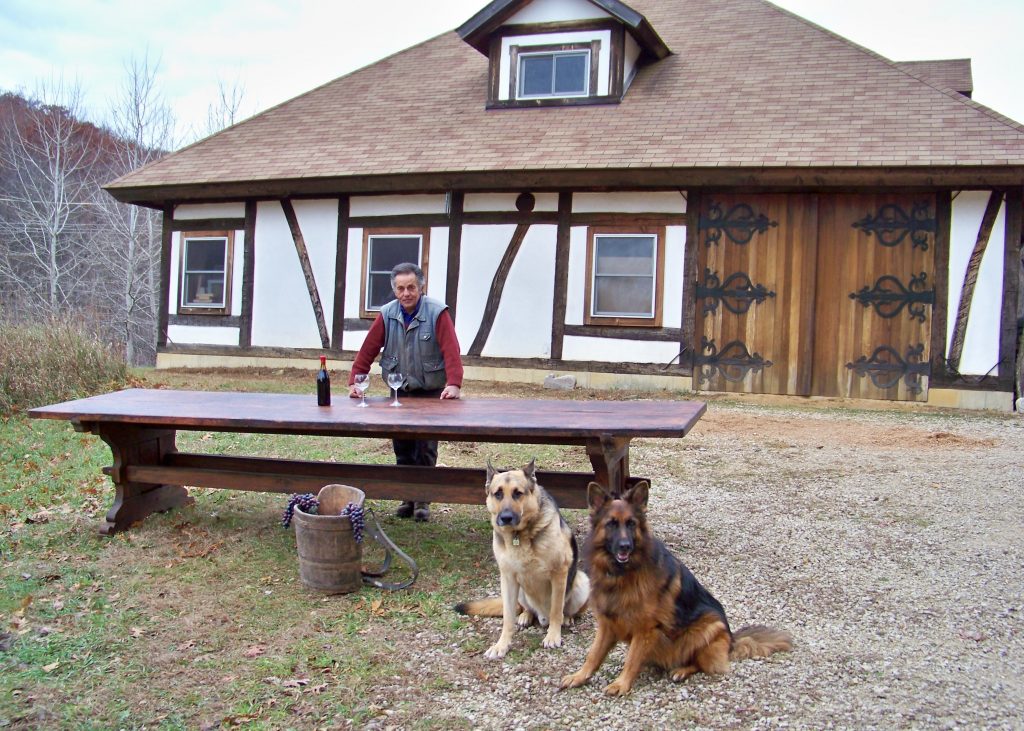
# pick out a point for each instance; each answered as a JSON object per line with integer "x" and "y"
{"x": 642, "y": 594}
{"x": 537, "y": 556}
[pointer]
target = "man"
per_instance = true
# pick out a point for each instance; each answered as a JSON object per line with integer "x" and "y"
{"x": 418, "y": 340}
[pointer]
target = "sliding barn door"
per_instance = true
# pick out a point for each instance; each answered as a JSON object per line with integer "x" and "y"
{"x": 875, "y": 295}
{"x": 755, "y": 290}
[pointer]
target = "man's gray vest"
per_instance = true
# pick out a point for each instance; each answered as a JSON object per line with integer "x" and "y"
{"x": 414, "y": 352}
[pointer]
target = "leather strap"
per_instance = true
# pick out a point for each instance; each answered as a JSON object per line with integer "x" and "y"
{"x": 371, "y": 577}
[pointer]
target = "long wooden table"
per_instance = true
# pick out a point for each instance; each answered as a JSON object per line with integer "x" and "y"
{"x": 150, "y": 474}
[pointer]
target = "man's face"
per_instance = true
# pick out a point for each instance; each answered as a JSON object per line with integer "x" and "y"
{"x": 407, "y": 290}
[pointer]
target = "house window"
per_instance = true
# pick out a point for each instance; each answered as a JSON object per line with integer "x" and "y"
{"x": 558, "y": 74}
{"x": 205, "y": 286}
{"x": 554, "y": 72}
{"x": 625, "y": 271}
{"x": 383, "y": 249}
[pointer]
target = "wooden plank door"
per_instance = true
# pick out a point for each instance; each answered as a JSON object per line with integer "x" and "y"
{"x": 755, "y": 293}
{"x": 875, "y": 292}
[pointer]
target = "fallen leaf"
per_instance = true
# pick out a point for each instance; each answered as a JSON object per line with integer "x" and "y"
{"x": 295, "y": 683}
{"x": 136, "y": 631}
{"x": 51, "y": 667}
{"x": 255, "y": 651}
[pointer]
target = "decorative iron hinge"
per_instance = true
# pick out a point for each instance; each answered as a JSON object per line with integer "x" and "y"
{"x": 739, "y": 224}
{"x": 733, "y": 363}
{"x": 885, "y": 367}
{"x": 889, "y": 296}
{"x": 737, "y": 287}
{"x": 892, "y": 224}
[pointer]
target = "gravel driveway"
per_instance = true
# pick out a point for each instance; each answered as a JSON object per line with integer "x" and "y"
{"x": 890, "y": 543}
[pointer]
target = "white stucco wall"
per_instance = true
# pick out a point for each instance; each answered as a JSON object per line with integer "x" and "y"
{"x": 981, "y": 344}
{"x": 482, "y": 249}
{"x": 648, "y": 202}
{"x": 282, "y": 315}
{"x": 209, "y": 210}
{"x": 396, "y": 205}
{"x": 632, "y": 54}
{"x": 188, "y": 335}
{"x": 522, "y": 324}
{"x": 608, "y": 350}
{"x": 505, "y": 202}
{"x": 546, "y": 11}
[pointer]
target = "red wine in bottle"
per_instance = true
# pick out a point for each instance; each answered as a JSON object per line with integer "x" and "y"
{"x": 323, "y": 384}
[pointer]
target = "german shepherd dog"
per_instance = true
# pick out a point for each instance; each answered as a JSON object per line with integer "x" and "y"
{"x": 643, "y": 595}
{"x": 537, "y": 556}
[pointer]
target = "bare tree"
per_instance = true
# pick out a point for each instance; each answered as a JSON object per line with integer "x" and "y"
{"x": 143, "y": 125}
{"x": 226, "y": 111}
{"x": 48, "y": 156}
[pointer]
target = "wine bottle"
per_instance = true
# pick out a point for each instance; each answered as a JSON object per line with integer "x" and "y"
{"x": 323, "y": 384}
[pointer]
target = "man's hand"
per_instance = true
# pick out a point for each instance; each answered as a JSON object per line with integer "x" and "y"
{"x": 451, "y": 392}
{"x": 353, "y": 392}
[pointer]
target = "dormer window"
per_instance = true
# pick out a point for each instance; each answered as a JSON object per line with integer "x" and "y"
{"x": 559, "y": 73}
{"x": 547, "y": 53}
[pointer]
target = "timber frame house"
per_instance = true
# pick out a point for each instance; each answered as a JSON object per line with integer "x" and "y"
{"x": 622, "y": 192}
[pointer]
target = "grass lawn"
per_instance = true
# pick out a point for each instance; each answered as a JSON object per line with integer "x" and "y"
{"x": 196, "y": 618}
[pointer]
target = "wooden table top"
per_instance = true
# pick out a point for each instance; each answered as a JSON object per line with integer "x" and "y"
{"x": 466, "y": 419}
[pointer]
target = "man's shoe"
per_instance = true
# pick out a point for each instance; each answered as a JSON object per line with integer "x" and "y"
{"x": 422, "y": 512}
{"x": 405, "y": 509}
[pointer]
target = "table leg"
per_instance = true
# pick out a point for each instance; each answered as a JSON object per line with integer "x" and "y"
{"x": 130, "y": 446}
{"x": 609, "y": 457}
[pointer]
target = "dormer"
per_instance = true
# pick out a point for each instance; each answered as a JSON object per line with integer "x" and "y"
{"x": 561, "y": 52}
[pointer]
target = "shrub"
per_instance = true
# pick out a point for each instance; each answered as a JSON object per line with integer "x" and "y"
{"x": 54, "y": 361}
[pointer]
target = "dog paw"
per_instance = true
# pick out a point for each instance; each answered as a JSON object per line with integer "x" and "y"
{"x": 618, "y": 688}
{"x": 496, "y": 651}
{"x": 524, "y": 620}
{"x": 573, "y": 681}
{"x": 552, "y": 639}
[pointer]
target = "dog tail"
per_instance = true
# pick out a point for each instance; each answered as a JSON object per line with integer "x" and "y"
{"x": 489, "y": 607}
{"x": 757, "y": 640}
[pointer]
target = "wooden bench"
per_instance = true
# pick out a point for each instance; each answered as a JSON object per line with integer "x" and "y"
{"x": 149, "y": 473}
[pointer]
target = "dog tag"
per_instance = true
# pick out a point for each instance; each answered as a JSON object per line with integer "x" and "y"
{"x": 515, "y": 540}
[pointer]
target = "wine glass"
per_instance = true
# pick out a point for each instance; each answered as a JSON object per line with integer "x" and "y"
{"x": 362, "y": 382}
{"x": 395, "y": 381}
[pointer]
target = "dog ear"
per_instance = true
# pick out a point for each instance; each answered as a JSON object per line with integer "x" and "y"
{"x": 637, "y": 495}
{"x": 596, "y": 497}
{"x": 530, "y": 471}
{"x": 490, "y": 475}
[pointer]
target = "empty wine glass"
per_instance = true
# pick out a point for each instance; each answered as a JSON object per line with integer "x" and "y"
{"x": 362, "y": 382}
{"x": 395, "y": 381}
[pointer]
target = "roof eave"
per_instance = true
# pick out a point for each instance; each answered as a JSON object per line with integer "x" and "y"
{"x": 762, "y": 178}
{"x": 477, "y": 30}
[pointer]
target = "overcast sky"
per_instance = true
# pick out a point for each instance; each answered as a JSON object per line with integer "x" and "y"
{"x": 279, "y": 49}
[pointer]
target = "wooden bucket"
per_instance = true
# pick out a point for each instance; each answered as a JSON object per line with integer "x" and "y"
{"x": 330, "y": 560}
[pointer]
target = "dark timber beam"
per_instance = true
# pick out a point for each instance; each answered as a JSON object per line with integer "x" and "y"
{"x": 455, "y": 219}
{"x": 340, "y": 273}
{"x": 166, "y": 234}
{"x": 561, "y": 274}
{"x": 248, "y": 272}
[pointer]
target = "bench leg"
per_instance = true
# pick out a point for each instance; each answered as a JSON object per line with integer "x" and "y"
{"x": 133, "y": 501}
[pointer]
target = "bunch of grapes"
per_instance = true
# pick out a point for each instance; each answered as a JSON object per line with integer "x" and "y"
{"x": 355, "y": 516}
{"x": 307, "y": 502}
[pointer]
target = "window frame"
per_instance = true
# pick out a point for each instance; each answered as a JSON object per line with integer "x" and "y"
{"x": 658, "y": 275}
{"x": 229, "y": 265}
{"x": 390, "y": 232}
{"x": 590, "y": 48}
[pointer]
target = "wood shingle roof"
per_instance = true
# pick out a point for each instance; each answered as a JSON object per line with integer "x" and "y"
{"x": 749, "y": 87}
